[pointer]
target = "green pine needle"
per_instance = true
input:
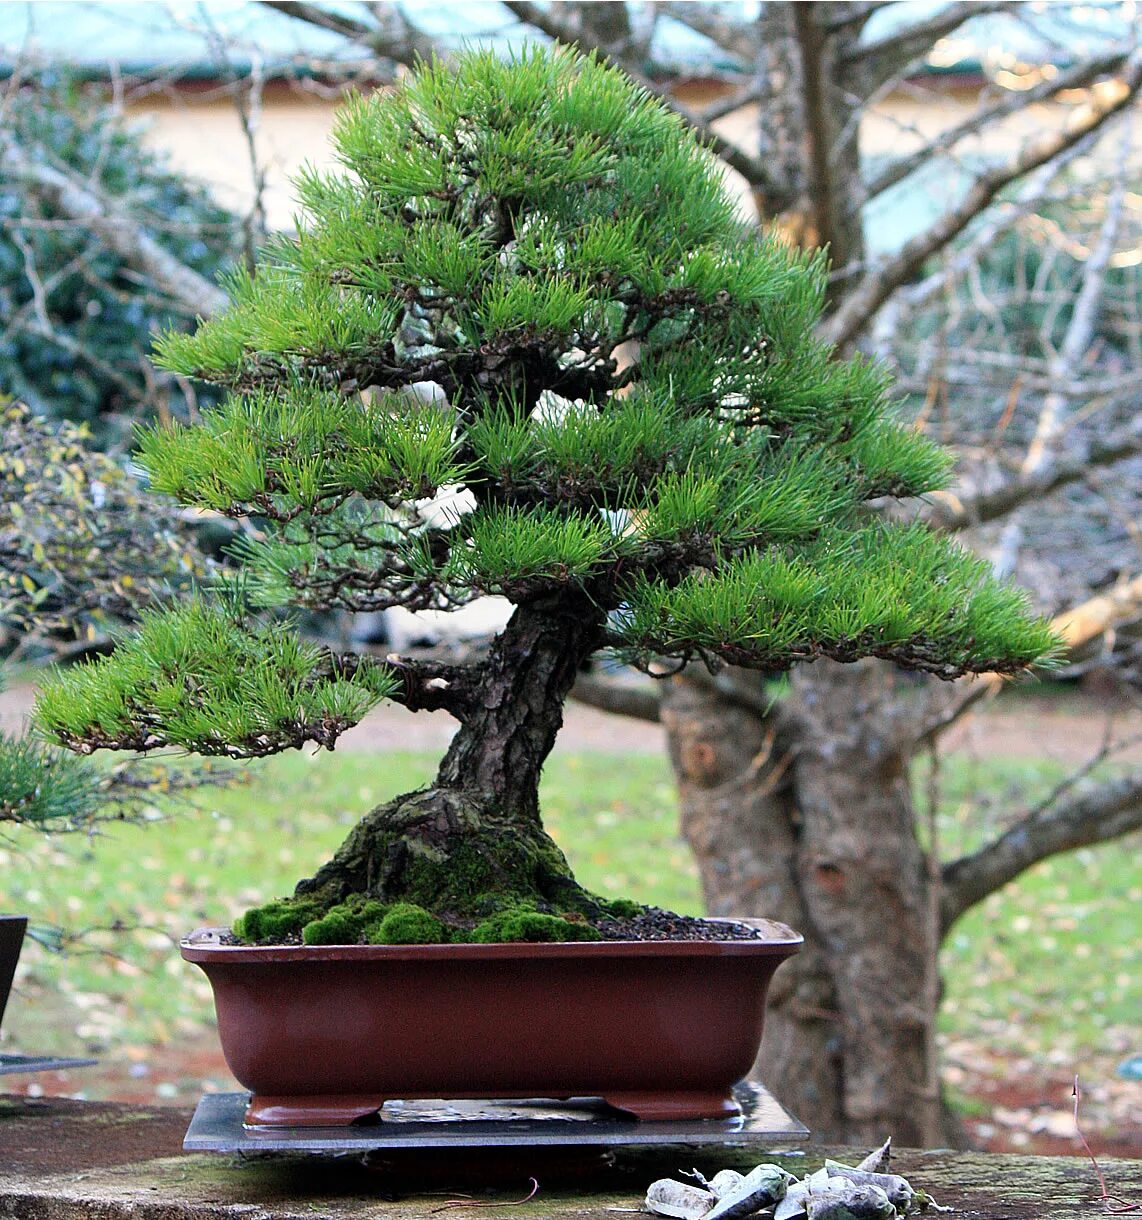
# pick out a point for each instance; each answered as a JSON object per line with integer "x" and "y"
{"x": 193, "y": 677}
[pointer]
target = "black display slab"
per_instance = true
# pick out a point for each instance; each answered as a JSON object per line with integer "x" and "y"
{"x": 217, "y": 1126}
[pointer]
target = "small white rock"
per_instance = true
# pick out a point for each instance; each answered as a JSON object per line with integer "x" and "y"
{"x": 761, "y": 1187}
{"x": 668, "y": 1198}
{"x": 724, "y": 1181}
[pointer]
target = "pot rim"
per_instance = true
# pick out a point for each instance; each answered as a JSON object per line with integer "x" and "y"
{"x": 204, "y": 945}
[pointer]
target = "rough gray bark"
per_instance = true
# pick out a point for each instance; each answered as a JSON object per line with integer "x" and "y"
{"x": 808, "y": 812}
{"x": 476, "y": 829}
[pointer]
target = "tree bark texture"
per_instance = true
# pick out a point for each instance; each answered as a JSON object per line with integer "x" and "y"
{"x": 475, "y": 832}
{"x": 805, "y": 815}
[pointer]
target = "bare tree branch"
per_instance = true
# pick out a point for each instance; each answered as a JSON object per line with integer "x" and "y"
{"x": 878, "y": 284}
{"x": 84, "y": 203}
{"x": 392, "y": 37}
{"x": 314, "y": 14}
{"x": 954, "y": 513}
{"x": 1076, "y": 342}
{"x": 1078, "y": 77}
{"x": 850, "y": 14}
{"x": 739, "y": 38}
{"x": 638, "y": 702}
{"x": 884, "y": 56}
{"x": 1094, "y": 813}
{"x": 1006, "y": 215}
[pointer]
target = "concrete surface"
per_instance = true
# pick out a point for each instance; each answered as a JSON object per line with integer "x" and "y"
{"x": 62, "y": 1159}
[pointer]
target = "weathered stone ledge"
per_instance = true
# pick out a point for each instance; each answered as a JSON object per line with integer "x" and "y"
{"x": 71, "y": 1160}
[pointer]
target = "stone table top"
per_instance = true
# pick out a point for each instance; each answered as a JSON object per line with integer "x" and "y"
{"x": 62, "y": 1159}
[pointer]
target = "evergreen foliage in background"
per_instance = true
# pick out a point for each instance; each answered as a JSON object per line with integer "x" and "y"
{"x": 656, "y": 456}
{"x": 82, "y": 546}
{"x": 78, "y": 322}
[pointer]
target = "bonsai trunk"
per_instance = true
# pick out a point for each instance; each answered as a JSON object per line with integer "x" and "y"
{"x": 473, "y": 840}
{"x": 805, "y": 815}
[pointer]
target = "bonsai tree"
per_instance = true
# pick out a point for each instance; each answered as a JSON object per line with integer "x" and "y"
{"x": 522, "y": 345}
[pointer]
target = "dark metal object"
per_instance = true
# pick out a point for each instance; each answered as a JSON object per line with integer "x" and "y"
{"x": 39, "y": 1063}
{"x": 217, "y": 1126}
{"x": 12, "y": 928}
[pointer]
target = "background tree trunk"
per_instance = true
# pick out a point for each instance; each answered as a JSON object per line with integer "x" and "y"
{"x": 805, "y": 811}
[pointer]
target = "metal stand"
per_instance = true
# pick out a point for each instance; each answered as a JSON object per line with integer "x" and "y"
{"x": 39, "y": 1063}
{"x": 217, "y": 1126}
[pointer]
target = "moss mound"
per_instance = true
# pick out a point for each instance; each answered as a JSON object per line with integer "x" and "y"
{"x": 525, "y": 923}
{"x": 437, "y": 867}
{"x": 407, "y": 924}
{"x": 362, "y": 920}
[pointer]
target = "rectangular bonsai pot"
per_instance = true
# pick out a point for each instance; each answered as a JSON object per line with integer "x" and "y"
{"x": 325, "y": 1035}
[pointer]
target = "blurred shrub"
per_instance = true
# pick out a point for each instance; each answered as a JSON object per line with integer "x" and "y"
{"x": 77, "y": 322}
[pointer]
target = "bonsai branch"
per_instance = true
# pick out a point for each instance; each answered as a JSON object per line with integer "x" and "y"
{"x": 425, "y": 685}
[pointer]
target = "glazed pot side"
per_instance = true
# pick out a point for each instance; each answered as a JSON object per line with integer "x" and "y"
{"x": 326, "y": 1035}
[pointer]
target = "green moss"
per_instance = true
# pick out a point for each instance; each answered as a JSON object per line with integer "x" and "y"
{"x": 508, "y": 867}
{"x": 407, "y": 924}
{"x": 523, "y": 922}
{"x": 275, "y": 921}
{"x": 344, "y": 923}
{"x": 621, "y": 908}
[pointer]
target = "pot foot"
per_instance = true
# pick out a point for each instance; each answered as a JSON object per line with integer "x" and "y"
{"x": 670, "y": 1107}
{"x": 319, "y": 1110}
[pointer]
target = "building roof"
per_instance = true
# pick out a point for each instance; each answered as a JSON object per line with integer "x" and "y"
{"x": 209, "y": 38}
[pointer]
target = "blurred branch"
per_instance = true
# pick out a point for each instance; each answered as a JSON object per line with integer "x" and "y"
{"x": 1076, "y": 342}
{"x": 1006, "y": 215}
{"x": 739, "y": 38}
{"x": 954, "y": 513}
{"x": 882, "y": 57}
{"x": 392, "y": 37}
{"x": 853, "y": 12}
{"x": 638, "y": 702}
{"x": 1078, "y": 77}
{"x": 877, "y": 285}
{"x": 84, "y": 202}
{"x": 1094, "y": 813}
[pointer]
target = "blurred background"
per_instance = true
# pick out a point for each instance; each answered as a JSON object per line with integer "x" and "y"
{"x": 973, "y": 169}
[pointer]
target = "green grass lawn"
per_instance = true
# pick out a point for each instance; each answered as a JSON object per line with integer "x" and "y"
{"x": 1049, "y": 966}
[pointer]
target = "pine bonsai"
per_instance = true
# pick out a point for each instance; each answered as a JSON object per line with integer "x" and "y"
{"x": 527, "y": 286}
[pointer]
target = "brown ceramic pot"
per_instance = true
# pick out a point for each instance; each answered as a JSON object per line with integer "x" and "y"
{"x": 325, "y": 1035}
